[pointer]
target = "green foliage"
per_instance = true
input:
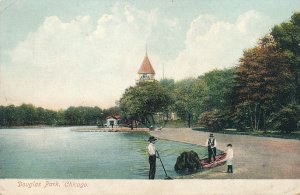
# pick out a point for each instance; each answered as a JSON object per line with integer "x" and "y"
{"x": 241, "y": 117}
{"x": 264, "y": 82}
{"x": 112, "y": 111}
{"x": 175, "y": 123}
{"x": 169, "y": 87}
{"x": 287, "y": 37}
{"x": 143, "y": 100}
{"x": 287, "y": 118}
{"x": 83, "y": 115}
{"x": 212, "y": 120}
{"x": 27, "y": 114}
{"x": 168, "y": 84}
{"x": 211, "y": 91}
{"x": 220, "y": 84}
{"x": 189, "y": 95}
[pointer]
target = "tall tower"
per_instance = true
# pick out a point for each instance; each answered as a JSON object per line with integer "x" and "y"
{"x": 146, "y": 71}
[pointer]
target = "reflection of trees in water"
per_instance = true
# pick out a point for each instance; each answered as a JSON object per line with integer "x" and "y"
{"x": 138, "y": 141}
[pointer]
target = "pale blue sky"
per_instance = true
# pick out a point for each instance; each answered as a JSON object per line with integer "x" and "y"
{"x": 86, "y": 52}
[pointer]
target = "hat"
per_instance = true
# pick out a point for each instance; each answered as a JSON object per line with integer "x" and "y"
{"x": 211, "y": 135}
{"x": 152, "y": 138}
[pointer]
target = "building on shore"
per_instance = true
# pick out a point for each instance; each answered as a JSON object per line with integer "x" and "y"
{"x": 113, "y": 121}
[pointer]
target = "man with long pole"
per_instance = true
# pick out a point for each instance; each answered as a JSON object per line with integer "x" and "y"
{"x": 152, "y": 157}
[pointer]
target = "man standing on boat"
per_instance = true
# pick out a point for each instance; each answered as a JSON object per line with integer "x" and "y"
{"x": 211, "y": 144}
{"x": 152, "y": 157}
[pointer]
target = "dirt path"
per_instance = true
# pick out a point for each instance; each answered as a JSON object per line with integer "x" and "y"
{"x": 254, "y": 157}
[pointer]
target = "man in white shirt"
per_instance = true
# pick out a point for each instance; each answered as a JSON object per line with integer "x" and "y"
{"x": 211, "y": 144}
{"x": 152, "y": 157}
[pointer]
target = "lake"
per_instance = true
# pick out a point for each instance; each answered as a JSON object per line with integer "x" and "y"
{"x": 63, "y": 154}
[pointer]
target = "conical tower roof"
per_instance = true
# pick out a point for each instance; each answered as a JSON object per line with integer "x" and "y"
{"x": 146, "y": 67}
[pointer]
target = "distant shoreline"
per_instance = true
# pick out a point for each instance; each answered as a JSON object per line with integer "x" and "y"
{"x": 29, "y": 127}
{"x": 40, "y": 126}
{"x": 106, "y": 129}
{"x": 82, "y": 128}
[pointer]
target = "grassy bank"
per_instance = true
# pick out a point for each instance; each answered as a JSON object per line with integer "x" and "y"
{"x": 268, "y": 133}
{"x": 175, "y": 124}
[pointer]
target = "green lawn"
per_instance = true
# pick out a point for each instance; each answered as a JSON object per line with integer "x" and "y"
{"x": 174, "y": 124}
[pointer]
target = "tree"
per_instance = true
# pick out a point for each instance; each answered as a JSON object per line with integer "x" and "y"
{"x": 220, "y": 94}
{"x": 83, "y": 115}
{"x": 10, "y": 116}
{"x": 287, "y": 118}
{"x": 287, "y": 37}
{"x": 45, "y": 116}
{"x": 189, "y": 97}
{"x": 111, "y": 111}
{"x": 220, "y": 84}
{"x": 145, "y": 99}
{"x": 169, "y": 86}
{"x": 94, "y": 116}
{"x": 3, "y": 121}
{"x": 264, "y": 82}
{"x": 212, "y": 120}
{"x": 28, "y": 115}
{"x": 60, "y": 118}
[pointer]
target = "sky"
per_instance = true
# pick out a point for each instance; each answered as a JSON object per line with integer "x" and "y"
{"x": 61, "y": 53}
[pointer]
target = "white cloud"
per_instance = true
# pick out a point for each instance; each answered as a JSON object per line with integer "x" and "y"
{"x": 81, "y": 63}
{"x": 172, "y": 23}
{"x": 76, "y": 63}
{"x": 212, "y": 43}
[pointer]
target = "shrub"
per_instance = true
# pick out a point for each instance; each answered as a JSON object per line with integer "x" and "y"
{"x": 212, "y": 120}
{"x": 241, "y": 119}
{"x": 287, "y": 118}
{"x": 187, "y": 162}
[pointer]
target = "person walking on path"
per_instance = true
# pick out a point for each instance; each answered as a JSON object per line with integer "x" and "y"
{"x": 152, "y": 157}
{"x": 211, "y": 144}
{"x": 228, "y": 158}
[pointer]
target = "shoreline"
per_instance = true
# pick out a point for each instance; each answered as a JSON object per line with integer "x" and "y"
{"x": 31, "y": 127}
{"x": 115, "y": 129}
{"x": 254, "y": 157}
{"x": 81, "y": 128}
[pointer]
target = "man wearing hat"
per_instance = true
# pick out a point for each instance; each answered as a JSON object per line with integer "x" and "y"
{"x": 152, "y": 157}
{"x": 211, "y": 144}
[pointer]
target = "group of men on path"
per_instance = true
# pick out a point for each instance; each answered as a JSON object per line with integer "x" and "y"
{"x": 211, "y": 144}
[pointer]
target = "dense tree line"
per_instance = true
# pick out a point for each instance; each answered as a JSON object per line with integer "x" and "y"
{"x": 27, "y": 114}
{"x": 262, "y": 92}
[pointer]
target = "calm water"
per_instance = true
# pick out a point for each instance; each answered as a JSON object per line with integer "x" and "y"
{"x": 61, "y": 153}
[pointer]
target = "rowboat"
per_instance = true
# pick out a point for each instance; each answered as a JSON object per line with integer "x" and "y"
{"x": 205, "y": 164}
